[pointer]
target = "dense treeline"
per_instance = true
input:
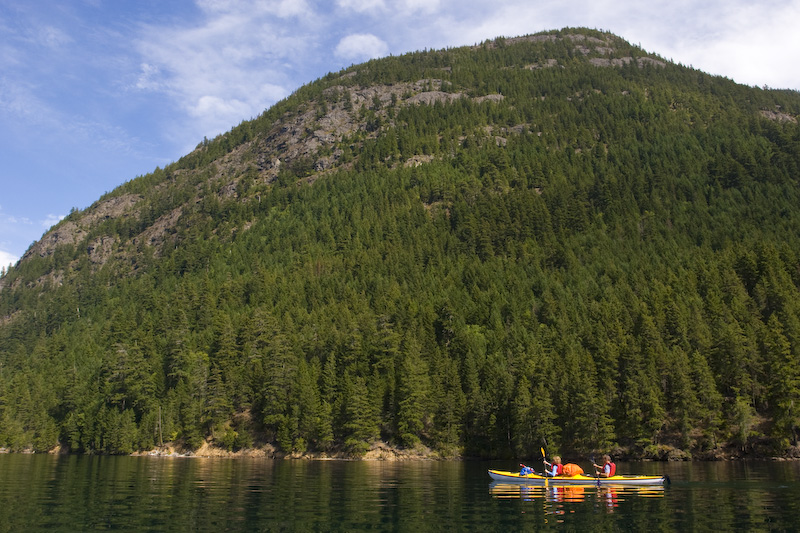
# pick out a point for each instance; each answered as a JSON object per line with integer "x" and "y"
{"x": 605, "y": 257}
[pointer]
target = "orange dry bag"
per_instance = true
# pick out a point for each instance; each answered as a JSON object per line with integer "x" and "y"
{"x": 571, "y": 469}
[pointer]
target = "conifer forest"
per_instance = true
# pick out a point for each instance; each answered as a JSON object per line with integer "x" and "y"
{"x": 559, "y": 240}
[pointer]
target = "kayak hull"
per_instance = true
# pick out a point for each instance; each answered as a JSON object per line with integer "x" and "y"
{"x": 536, "y": 479}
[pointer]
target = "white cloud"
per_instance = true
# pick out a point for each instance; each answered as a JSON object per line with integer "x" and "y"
{"x": 292, "y": 8}
{"x": 361, "y": 6}
{"x": 361, "y": 46}
{"x": 424, "y": 6}
{"x": 232, "y": 64}
{"x": 401, "y": 7}
{"x": 15, "y": 232}
{"x": 752, "y": 44}
{"x": 216, "y": 6}
{"x": 50, "y": 221}
{"x": 148, "y": 77}
{"x": 7, "y": 259}
{"x": 23, "y": 110}
{"x": 217, "y": 107}
{"x": 281, "y": 8}
{"x": 18, "y": 100}
{"x": 52, "y": 38}
{"x": 7, "y": 221}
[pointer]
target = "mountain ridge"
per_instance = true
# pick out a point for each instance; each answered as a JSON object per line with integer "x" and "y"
{"x": 402, "y": 250}
{"x": 335, "y": 124}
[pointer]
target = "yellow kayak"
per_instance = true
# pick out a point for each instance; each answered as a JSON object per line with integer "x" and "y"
{"x": 583, "y": 479}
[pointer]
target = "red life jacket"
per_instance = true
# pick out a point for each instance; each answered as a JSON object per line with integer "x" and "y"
{"x": 559, "y": 469}
{"x": 612, "y": 469}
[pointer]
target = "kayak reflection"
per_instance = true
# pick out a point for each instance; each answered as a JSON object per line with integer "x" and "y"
{"x": 609, "y": 495}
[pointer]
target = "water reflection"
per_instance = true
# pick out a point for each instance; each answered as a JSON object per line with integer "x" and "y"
{"x": 608, "y": 495}
{"x": 86, "y": 493}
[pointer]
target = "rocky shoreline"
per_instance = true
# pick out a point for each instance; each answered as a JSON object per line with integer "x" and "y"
{"x": 382, "y": 451}
{"x": 378, "y": 451}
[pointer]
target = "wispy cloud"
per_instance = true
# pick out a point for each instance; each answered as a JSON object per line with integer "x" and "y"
{"x": 19, "y": 100}
{"x": 230, "y": 65}
{"x": 401, "y": 7}
{"x": 755, "y": 44}
{"x": 11, "y": 227}
{"x": 46, "y": 92}
{"x": 361, "y": 46}
{"x": 7, "y": 259}
{"x": 420, "y": 6}
{"x": 50, "y": 37}
{"x": 51, "y": 220}
{"x": 361, "y": 6}
{"x": 148, "y": 78}
{"x": 16, "y": 230}
{"x": 10, "y": 220}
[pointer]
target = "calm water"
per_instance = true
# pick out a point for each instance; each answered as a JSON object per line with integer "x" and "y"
{"x": 77, "y": 493}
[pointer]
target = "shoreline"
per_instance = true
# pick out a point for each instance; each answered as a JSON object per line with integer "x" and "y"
{"x": 382, "y": 451}
{"x": 378, "y": 451}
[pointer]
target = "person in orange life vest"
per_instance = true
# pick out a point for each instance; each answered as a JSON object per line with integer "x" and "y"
{"x": 607, "y": 470}
{"x": 555, "y": 468}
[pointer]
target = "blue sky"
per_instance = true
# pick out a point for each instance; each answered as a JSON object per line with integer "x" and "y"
{"x": 96, "y": 92}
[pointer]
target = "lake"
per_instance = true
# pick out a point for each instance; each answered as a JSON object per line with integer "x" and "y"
{"x": 90, "y": 493}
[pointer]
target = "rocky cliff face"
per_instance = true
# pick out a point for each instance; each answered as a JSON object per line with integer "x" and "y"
{"x": 316, "y": 135}
{"x": 345, "y": 114}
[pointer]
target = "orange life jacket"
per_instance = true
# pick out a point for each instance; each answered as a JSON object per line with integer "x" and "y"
{"x": 612, "y": 469}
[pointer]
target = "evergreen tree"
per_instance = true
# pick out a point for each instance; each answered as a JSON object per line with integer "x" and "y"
{"x": 785, "y": 385}
{"x": 413, "y": 394}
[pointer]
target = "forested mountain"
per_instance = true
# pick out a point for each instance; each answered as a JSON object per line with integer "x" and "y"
{"x": 556, "y": 240}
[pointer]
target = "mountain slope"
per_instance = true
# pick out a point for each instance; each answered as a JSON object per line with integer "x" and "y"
{"x": 555, "y": 238}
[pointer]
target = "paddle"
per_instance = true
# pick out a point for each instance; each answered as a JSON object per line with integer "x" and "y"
{"x": 544, "y": 461}
{"x": 596, "y": 472}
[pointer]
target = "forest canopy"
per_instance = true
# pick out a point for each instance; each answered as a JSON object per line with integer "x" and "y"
{"x": 556, "y": 240}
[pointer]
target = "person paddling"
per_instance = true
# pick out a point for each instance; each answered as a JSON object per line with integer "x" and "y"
{"x": 555, "y": 468}
{"x": 608, "y": 469}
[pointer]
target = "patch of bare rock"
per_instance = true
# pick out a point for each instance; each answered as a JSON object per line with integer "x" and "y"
{"x": 778, "y": 116}
{"x": 379, "y": 451}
